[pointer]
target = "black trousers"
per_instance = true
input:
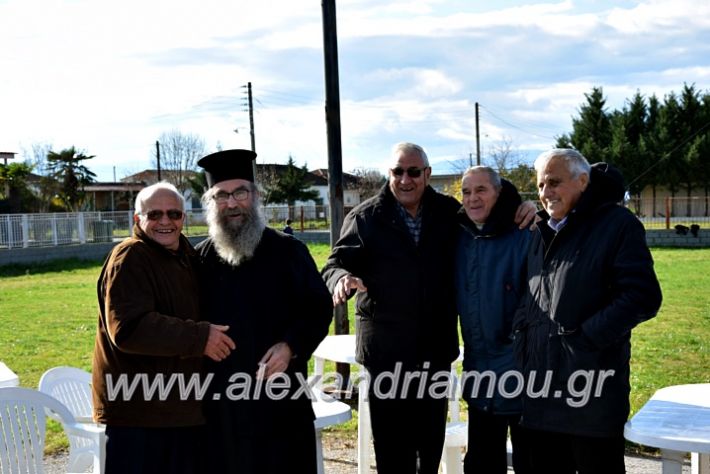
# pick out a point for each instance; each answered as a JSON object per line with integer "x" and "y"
{"x": 559, "y": 453}
{"x": 408, "y": 431}
{"x": 237, "y": 443}
{"x": 487, "y": 439}
{"x": 131, "y": 450}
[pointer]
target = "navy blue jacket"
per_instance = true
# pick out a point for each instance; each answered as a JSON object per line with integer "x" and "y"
{"x": 490, "y": 270}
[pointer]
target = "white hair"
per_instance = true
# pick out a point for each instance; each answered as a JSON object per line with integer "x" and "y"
{"x": 148, "y": 192}
{"x": 410, "y": 148}
{"x": 493, "y": 175}
{"x": 576, "y": 163}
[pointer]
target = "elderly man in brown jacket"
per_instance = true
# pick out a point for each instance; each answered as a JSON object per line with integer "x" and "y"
{"x": 150, "y": 342}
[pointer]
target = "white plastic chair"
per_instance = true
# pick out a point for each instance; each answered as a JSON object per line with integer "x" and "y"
{"x": 72, "y": 387}
{"x": 23, "y": 414}
{"x": 328, "y": 411}
{"x": 456, "y": 438}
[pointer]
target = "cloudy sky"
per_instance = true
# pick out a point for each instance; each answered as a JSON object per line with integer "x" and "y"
{"x": 110, "y": 77}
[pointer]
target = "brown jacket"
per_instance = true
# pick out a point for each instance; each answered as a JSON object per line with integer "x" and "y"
{"x": 148, "y": 327}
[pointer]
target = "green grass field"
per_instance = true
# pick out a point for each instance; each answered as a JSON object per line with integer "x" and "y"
{"x": 48, "y": 318}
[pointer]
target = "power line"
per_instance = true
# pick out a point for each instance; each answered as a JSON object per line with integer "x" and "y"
{"x": 516, "y": 126}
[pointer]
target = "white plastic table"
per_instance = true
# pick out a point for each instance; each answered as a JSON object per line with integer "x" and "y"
{"x": 677, "y": 420}
{"x": 328, "y": 411}
{"x": 8, "y": 378}
{"x": 342, "y": 349}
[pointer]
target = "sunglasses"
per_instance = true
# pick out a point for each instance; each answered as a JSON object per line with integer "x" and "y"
{"x": 156, "y": 215}
{"x": 412, "y": 172}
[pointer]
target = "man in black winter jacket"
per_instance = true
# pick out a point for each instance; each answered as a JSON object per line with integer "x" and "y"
{"x": 590, "y": 281}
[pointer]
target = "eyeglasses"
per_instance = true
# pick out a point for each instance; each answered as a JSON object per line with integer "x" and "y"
{"x": 156, "y": 215}
{"x": 238, "y": 194}
{"x": 412, "y": 172}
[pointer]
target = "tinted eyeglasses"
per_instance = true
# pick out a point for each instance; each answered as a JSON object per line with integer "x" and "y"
{"x": 412, "y": 172}
{"x": 157, "y": 214}
{"x": 238, "y": 194}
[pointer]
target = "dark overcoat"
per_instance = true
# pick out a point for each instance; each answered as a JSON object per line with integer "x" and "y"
{"x": 408, "y": 313}
{"x": 277, "y": 295}
{"x": 588, "y": 286}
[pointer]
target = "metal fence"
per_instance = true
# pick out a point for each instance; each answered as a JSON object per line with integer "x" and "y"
{"x": 667, "y": 212}
{"x": 44, "y": 230}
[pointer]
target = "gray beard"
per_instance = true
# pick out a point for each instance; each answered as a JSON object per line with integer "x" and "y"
{"x": 235, "y": 242}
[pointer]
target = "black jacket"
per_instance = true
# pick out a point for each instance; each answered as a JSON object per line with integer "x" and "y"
{"x": 408, "y": 313}
{"x": 588, "y": 286}
{"x": 275, "y": 296}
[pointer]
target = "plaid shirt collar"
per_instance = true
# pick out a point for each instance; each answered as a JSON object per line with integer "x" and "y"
{"x": 414, "y": 224}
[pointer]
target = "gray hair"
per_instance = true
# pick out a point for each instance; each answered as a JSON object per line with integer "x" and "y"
{"x": 148, "y": 192}
{"x": 576, "y": 163}
{"x": 410, "y": 148}
{"x": 493, "y": 175}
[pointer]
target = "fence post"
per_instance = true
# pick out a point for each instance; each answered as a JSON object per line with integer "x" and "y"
{"x": 25, "y": 231}
{"x": 302, "y": 219}
{"x": 80, "y": 227}
{"x": 55, "y": 237}
{"x": 668, "y": 212}
{"x": 10, "y": 234}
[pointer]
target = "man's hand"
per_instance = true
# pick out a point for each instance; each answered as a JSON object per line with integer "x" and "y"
{"x": 343, "y": 287}
{"x": 219, "y": 345}
{"x": 275, "y": 360}
{"x": 525, "y": 214}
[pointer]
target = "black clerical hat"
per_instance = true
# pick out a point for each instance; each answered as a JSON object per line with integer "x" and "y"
{"x": 228, "y": 164}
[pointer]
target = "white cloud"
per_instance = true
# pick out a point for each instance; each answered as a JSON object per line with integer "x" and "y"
{"x": 111, "y": 77}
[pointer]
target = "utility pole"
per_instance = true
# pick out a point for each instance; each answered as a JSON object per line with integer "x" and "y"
{"x": 478, "y": 140}
{"x": 157, "y": 156}
{"x": 335, "y": 153}
{"x": 251, "y": 124}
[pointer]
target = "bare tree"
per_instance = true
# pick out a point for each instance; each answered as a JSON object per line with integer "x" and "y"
{"x": 460, "y": 165}
{"x": 510, "y": 165}
{"x": 267, "y": 178}
{"x": 179, "y": 153}
{"x": 502, "y": 155}
{"x": 36, "y": 156}
{"x": 47, "y": 187}
{"x": 367, "y": 182}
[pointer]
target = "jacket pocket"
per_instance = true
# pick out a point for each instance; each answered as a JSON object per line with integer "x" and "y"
{"x": 364, "y": 306}
{"x": 577, "y": 353}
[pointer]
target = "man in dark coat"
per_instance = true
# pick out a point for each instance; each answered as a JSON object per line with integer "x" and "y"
{"x": 265, "y": 286}
{"x": 590, "y": 282}
{"x": 397, "y": 250}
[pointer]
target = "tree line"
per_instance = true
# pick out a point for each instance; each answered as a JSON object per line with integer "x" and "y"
{"x": 61, "y": 177}
{"x": 654, "y": 143}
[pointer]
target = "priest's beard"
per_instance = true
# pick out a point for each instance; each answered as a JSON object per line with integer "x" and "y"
{"x": 235, "y": 240}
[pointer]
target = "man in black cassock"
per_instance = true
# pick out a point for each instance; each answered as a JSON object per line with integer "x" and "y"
{"x": 265, "y": 286}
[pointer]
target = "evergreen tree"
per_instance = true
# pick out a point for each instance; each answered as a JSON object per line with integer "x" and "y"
{"x": 690, "y": 123}
{"x": 15, "y": 194}
{"x": 293, "y": 185}
{"x": 591, "y": 133}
